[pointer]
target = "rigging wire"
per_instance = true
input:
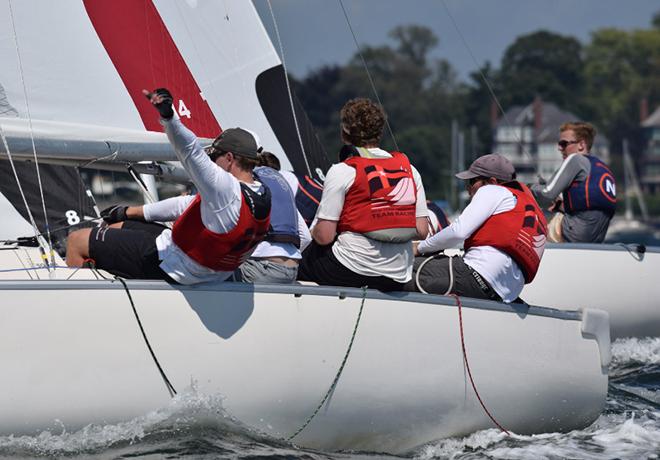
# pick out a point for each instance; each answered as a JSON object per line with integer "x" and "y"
{"x": 366, "y": 67}
{"x": 37, "y": 233}
{"x": 288, "y": 88}
{"x": 34, "y": 148}
{"x": 486, "y": 81}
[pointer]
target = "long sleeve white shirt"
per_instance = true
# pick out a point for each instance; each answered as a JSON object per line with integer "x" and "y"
{"x": 497, "y": 268}
{"x": 220, "y": 205}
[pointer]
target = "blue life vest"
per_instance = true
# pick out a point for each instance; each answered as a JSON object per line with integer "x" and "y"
{"x": 283, "y": 215}
{"x": 597, "y": 191}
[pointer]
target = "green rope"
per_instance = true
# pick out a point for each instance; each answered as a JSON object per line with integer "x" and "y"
{"x": 341, "y": 369}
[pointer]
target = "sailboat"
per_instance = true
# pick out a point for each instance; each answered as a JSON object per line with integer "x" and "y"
{"x": 620, "y": 278}
{"x": 323, "y": 367}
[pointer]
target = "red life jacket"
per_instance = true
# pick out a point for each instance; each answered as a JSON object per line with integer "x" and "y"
{"x": 520, "y": 232}
{"x": 223, "y": 251}
{"x": 382, "y": 197}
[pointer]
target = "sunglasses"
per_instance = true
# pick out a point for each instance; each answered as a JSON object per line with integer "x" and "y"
{"x": 214, "y": 153}
{"x": 563, "y": 143}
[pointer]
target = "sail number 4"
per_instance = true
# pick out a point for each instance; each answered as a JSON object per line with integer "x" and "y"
{"x": 183, "y": 110}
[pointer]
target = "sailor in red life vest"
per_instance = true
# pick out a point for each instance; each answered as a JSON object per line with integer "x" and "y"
{"x": 373, "y": 205}
{"x": 214, "y": 231}
{"x": 504, "y": 232}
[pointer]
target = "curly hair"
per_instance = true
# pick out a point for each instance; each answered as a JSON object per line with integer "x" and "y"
{"x": 583, "y": 131}
{"x": 362, "y": 122}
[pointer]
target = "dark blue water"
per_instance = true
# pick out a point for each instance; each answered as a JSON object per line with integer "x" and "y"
{"x": 195, "y": 426}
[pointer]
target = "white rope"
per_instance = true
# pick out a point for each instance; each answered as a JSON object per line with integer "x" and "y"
{"x": 421, "y": 266}
{"x": 366, "y": 67}
{"x": 34, "y": 148}
{"x": 487, "y": 82}
{"x": 427, "y": 260}
{"x": 288, "y": 88}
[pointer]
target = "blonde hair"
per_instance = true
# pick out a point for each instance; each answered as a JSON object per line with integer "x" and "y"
{"x": 583, "y": 131}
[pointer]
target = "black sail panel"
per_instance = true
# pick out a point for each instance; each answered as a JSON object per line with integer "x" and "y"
{"x": 67, "y": 203}
{"x": 274, "y": 99}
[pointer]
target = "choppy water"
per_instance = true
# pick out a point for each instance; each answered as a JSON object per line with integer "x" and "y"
{"x": 197, "y": 427}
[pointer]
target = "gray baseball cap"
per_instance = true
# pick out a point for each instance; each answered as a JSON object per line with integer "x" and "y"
{"x": 492, "y": 165}
{"x": 239, "y": 141}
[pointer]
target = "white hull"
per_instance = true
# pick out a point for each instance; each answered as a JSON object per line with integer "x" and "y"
{"x": 614, "y": 278}
{"x": 71, "y": 350}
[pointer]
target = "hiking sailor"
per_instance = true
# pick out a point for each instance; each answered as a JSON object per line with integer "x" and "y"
{"x": 504, "y": 233}
{"x": 587, "y": 186}
{"x": 276, "y": 258}
{"x": 373, "y": 205}
{"x": 215, "y": 230}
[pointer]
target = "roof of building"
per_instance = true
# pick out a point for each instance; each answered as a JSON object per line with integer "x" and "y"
{"x": 653, "y": 120}
{"x": 552, "y": 117}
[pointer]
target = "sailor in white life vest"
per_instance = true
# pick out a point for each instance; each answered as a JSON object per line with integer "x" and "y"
{"x": 373, "y": 205}
{"x": 587, "y": 187}
{"x": 504, "y": 232}
{"x": 214, "y": 231}
{"x": 276, "y": 258}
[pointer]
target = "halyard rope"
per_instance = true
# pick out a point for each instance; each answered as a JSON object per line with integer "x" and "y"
{"x": 467, "y": 364}
{"x": 341, "y": 369}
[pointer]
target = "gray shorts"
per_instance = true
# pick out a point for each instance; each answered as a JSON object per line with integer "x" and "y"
{"x": 434, "y": 278}
{"x": 265, "y": 271}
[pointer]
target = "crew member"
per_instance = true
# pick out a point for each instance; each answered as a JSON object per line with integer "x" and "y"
{"x": 504, "y": 232}
{"x": 373, "y": 204}
{"x": 214, "y": 231}
{"x": 276, "y": 258}
{"x": 587, "y": 187}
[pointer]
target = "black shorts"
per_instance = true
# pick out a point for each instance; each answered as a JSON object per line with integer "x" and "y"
{"x": 129, "y": 252}
{"x": 320, "y": 265}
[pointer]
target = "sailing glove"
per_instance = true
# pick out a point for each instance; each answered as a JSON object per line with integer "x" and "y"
{"x": 164, "y": 107}
{"x": 114, "y": 214}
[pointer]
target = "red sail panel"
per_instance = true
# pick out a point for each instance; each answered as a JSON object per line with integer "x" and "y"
{"x": 146, "y": 57}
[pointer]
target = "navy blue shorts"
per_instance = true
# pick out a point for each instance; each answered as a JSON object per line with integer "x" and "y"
{"x": 129, "y": 252}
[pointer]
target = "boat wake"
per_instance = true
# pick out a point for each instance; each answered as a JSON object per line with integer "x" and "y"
{"x": 197, "y": 425}
{"x": 190, "y": 422}
{"x": 629, "y": 427}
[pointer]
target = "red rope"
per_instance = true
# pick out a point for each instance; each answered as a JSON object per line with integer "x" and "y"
{"x": 467, "y": 365}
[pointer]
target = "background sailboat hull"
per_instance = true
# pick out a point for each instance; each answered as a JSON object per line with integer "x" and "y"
{"x": 615, "y": 278}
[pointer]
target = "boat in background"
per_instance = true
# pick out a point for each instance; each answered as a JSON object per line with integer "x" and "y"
{"x": 621, "y": 279}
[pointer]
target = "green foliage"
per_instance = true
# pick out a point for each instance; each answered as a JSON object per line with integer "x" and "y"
{"x": 542, "y": 63}
{"x": 420, "y": 95}
{"x": 620, "y": 69}
{"x": 602, "y": 82}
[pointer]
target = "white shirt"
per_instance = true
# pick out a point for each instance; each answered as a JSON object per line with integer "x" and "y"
{"x": 497, "y": 268}
{"x": 355, "y": 251}
{"x": 220, "y": 205}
